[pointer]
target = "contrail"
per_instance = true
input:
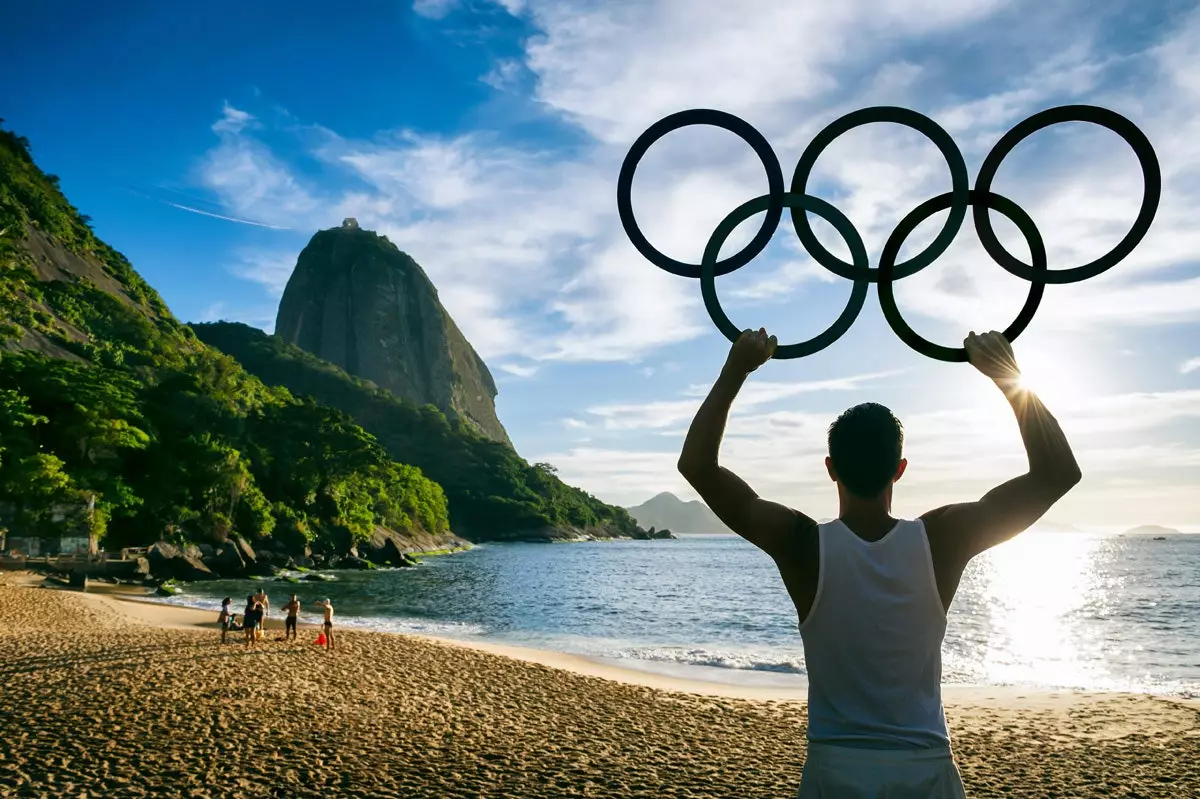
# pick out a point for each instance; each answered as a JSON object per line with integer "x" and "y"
{"x": 205, "y": 213}
{"x": 227, "y": 218}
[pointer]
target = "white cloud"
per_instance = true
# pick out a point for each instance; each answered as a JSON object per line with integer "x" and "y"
{"x": 434, "y": 9}
{"x": 270, "y": 269}
{"x": 260, "y": 317}
{"x": 505, "y": 75}
{"x": 518, "y": 370}
{"x": 668, "y": 414}
{"x": 233, "y": 120}
{"x": 1190, "y": 366}
{"x": 954, "y": 455}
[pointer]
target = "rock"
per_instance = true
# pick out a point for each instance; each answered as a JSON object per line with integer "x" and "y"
{"x": 351, "y": 562}
{"x": 385, "y": 547}
{"x": 166, "y": 589}
{"x": 206, "y": 550}
{"x": 227, "y": 561}
{"x": 79, "y": 580}
{"x": 168, "y": 560}
{"x": 244, "y": 550}
{"x": 192, "y": 551}
{"x": 357, "y": 301}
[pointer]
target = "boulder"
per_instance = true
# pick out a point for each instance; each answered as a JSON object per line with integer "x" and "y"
{"x": 169, "y": 561}
{"x": 351, "y": 562}
{"x": 206, "y": 550}
{"x": 227, "y": 561}
{"x": 386, "y": 547}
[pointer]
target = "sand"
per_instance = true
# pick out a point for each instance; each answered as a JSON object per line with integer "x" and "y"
{"x": 104, "y": 696}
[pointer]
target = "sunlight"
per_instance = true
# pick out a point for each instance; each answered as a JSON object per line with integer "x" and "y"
{"x": 1034, "y": 585}
{"x": 1054, "y": 378}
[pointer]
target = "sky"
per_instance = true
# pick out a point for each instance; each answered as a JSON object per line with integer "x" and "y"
{"x": 208, "y": 142}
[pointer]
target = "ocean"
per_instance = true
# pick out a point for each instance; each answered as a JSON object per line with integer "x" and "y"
{"x": 1044, "y": 611}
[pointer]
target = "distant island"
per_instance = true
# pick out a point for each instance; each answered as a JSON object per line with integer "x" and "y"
{"x": 667, "y": 511}
{"x": 1151, "y": 529}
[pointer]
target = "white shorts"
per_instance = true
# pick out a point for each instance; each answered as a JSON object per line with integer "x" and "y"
{"x": 841, "y": 772}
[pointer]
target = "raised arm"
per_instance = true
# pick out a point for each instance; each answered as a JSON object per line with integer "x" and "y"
{"x": 966, "y": 529}
{"x": 768, "y": 525}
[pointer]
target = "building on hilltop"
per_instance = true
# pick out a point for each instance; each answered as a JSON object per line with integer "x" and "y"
{"x": 350, "y": 223}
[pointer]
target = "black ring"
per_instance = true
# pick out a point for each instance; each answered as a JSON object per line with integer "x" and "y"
{"x": 858, "y": 251}
{"x": 887, "y": 300}
{"x": 736, "y": 126}
{"x": 960, "y": 186}
{"x": 1151, "y": 174}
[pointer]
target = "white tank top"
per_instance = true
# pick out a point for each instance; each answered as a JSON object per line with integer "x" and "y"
{"x": 873, "y": 641}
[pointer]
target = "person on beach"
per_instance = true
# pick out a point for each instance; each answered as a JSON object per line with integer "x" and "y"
{"x": 261, "y": 598}
{"x": 328, "y": 623}
{"x": 872, "y": 591}
{"x": 225, "y": 617}
{"x": 292, "y": 608}
{"x": 252, "y": 621}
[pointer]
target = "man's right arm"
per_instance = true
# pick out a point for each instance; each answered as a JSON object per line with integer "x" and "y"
{"x": 966, "y": 529}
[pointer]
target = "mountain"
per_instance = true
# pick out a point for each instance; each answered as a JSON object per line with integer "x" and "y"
{"x": 357, "y": 301}
{"x": 118, "y": 424}
{"x": 667, "y": 512}
{"x": 493, "y": 493}
{"x": 1151, "y": 529}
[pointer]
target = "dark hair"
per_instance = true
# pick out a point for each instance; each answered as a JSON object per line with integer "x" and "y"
{"x": 865, "y": 443}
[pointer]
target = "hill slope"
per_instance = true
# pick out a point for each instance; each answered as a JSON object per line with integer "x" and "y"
{"x": 116, "y": 421}
{"x": 493, "y": 493}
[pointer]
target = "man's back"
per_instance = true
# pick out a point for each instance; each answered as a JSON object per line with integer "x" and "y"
{"x": 872, "y": 641}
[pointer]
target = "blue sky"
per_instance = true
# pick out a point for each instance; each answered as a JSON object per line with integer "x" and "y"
{"x": 484, "y": 138}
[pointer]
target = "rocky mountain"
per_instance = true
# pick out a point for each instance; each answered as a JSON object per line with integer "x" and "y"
{"x": 357, "y": 301}
{"x": 667, "y": 511}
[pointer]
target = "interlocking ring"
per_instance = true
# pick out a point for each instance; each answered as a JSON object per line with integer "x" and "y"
{"x": 980, "y": 198}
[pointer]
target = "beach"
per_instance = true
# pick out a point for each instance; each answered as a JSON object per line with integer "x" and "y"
{"x": 104, "y": 695}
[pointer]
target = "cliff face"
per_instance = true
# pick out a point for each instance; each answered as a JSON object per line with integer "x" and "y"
{"x": 357, "y": 301}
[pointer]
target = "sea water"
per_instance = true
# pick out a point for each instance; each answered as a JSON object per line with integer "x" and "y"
{"x": 1045, "y": 610}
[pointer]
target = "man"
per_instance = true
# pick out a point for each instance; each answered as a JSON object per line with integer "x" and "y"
{"x": 872, "y": 591}
{"x": 292, "y": 608}
{"x": 328, "y": 623}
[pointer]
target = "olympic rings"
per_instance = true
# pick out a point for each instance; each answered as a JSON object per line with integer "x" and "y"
{"x": 858, "y": 251}
{"x": 1044, "y": 119}
{"x": 918, "y": 215}
{"x": 980, "y": 198}
{"x": 919, "y": 123}
{"x": 738, "y": 127}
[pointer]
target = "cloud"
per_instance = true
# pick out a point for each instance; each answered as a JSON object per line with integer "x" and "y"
{"x": 270, "y": 269}
{"x": 663, "y": 415}
{"x": 434, "y": 9}
{"x": 233, "y": 120}
{"x": 1190, "y": 366}
{"x": 521, "y": 236}
{"x": 505, "y": 75}
{"x": 518, "y": 370}
{"x": 954, "y": 454}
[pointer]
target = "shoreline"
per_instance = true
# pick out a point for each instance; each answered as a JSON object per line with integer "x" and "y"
{"x": 107, "y": 694}
{"x": 147, "y": 611}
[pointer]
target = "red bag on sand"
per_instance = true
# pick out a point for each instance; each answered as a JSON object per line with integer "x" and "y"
{"x": 320, "y": 639}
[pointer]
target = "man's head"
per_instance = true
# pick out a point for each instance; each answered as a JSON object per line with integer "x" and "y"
{"x": 865, "y": 445}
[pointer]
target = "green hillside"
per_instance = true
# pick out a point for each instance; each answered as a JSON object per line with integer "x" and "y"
{"x": 115, "y": 418}
{"x": 493, "y": 492}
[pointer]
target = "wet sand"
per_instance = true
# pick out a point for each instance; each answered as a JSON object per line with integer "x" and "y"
{"x": 104, "y": 696}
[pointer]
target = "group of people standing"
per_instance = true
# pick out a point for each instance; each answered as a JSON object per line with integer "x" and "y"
{"x": 254, "y": 616}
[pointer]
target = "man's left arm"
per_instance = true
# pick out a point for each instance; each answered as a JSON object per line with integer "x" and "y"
{"x": 768, "y": 525}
